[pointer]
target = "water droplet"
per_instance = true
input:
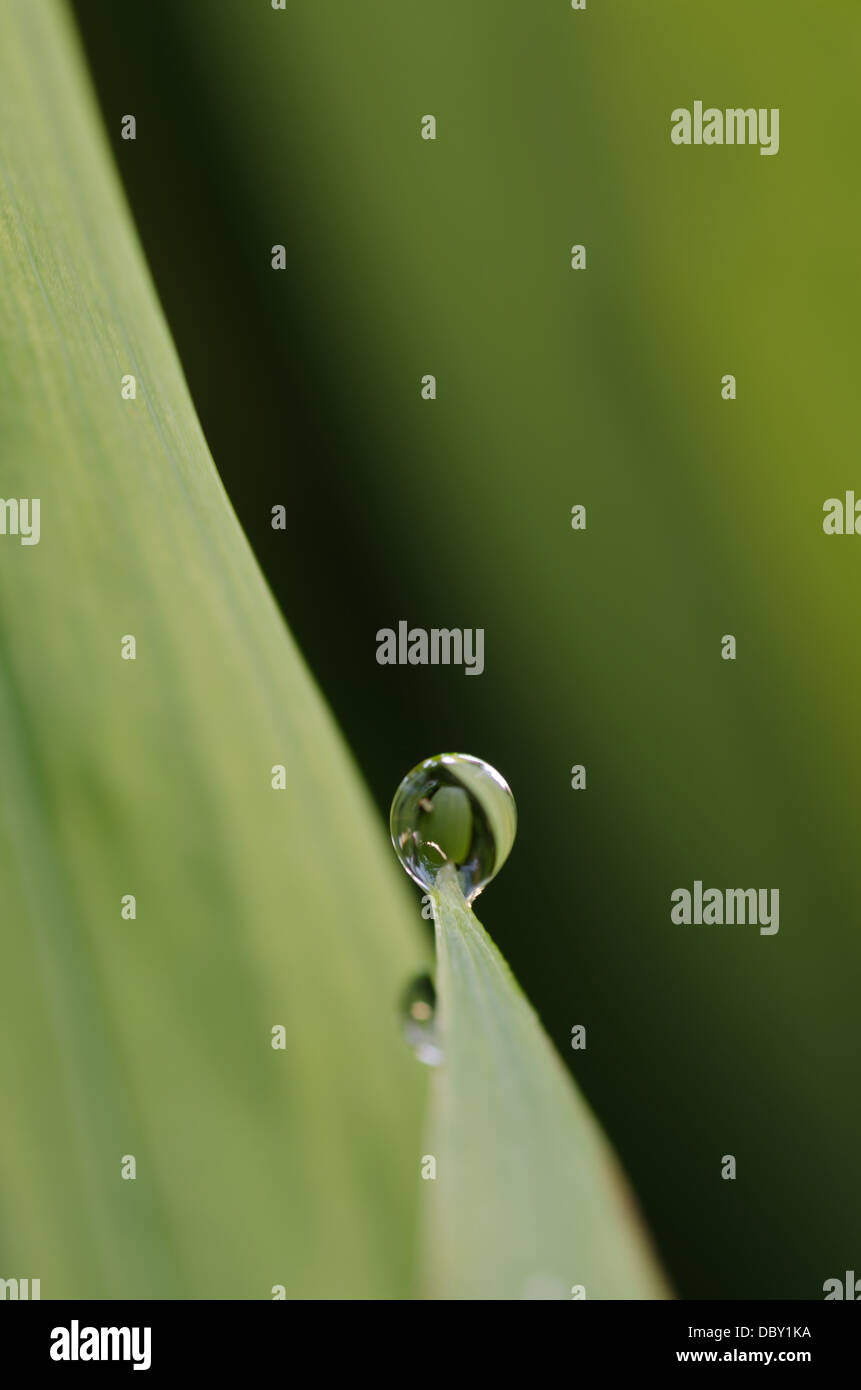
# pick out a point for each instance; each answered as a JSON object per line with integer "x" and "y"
{"x": 419, "y": 1014}
{"x": 453, "y": 809}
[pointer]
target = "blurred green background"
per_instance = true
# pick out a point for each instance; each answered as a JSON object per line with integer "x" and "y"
{"x": 406, "y": 257}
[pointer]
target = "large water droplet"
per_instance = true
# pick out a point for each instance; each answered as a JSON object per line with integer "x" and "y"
{"x": 420, "y": 1026}
{"x": 453, "y": 809}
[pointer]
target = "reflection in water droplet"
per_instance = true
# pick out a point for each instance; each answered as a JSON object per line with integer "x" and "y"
{"x": 419, "y": 1015}
{"x": 453, "y": 809}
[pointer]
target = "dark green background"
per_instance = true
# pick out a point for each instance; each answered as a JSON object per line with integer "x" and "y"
{"x": 257, "y": 127}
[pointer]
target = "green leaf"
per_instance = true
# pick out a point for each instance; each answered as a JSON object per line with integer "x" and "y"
{"x": 528, "y": 1200}
{"x": 255, "y": 907}
{"x": 557, "y": 388}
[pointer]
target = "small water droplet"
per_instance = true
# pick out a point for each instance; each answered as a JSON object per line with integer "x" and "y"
{"x": 419, "y": 1015}
{"x": 453, "y": 809}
